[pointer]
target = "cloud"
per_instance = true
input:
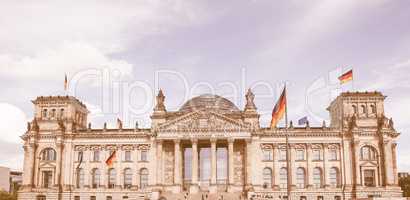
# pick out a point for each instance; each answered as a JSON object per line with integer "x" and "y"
{"x": 11, "y": 155}
{"x": 391, "y": 77}
{"x": 51, "y": 64}
{"x": 12, "y": 124}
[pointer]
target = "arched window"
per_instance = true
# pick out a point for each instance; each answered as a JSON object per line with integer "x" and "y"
{"x": 372, "y": 109}
{"x": 363, "y": 109}
{"x": 368, "y": 153}
{"x": 48, "y": 154}
{"x": 317, "y": 177}
{"x": 334, "y": 177}
{"x": 95, "y": 178}
{"x": 111, "y": 178}
{"x": 53, "y": 113}
{"x": 143, "y": 178}
{"x": 62, "y": 113}
{"x": 44, "y": 114}
{"x": 283, "y": 178}
{"x": 300, "y": 178}
{"x": 80, "y": 178}
{"x": 354, "y": 109}
{"x": 267, "y": 177}
{"x": 127, "y": 178}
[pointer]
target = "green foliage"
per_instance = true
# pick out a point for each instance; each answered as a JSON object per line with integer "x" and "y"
{"x": 6, "y": 196}
{"x": 405, "y": 186}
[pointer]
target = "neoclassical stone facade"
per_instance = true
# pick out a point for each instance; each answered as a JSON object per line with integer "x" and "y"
{"x": 211, "y": 147}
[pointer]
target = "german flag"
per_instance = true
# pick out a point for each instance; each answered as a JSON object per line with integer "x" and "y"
{"x": 279, "y": 109}
{"x": 346, "y": 77}
{"x": 65, "y": 82}
{"x": 110, "y": 159}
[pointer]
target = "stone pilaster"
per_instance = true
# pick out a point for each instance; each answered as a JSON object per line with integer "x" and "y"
{"x": 248, "y": 164}
{"x": 309, "y": 169}
{"x": 194, "y": 180}
{"x": 325, "y": 165}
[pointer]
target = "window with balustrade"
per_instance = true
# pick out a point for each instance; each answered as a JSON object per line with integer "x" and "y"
{"x": 283, "y": 178}
{"x": 127, "y": 178}
{"x": 143, "y": 178}
{"x": 267, "y": 177}
{"x": 111, "y": 178}
{"x": 95, "y": 178}
{"x": 300, "y": 177}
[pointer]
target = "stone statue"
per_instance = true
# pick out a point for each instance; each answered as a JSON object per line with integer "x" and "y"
{"x": 391, "y": 124}
{"x": 250, "y": 105}
{"x": 160, "y": 106}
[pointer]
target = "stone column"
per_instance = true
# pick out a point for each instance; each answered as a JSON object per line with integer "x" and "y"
{"x": 388, "y": 163}
{"x": 356, "y": 153}
{"x": 213, "y": 188}
{"x": 396, "y": 178}
{"x": 177, "y": 166}
{"x": 28, "y": 174}
{"x": 159, "y": 163}
{"x": 230, "y": 162}
{"x": 59, "y": 155}
{"x": 194, "y": 180}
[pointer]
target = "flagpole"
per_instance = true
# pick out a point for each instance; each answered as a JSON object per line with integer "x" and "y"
{"x": 289, "y": 175}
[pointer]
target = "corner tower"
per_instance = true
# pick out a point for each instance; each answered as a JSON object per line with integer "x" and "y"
{"x": 365, "y": 107}
{"x": 54, "y": 111}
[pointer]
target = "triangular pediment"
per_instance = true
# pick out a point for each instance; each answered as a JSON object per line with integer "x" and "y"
{"x": 203, "y": 121}
{"x": 369, "y": 164}
{"x": 47, "y": 165}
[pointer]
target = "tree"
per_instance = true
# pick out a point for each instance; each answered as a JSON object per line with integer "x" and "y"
{"x": 6, "y": 196}
{"x": 405, "y": 186}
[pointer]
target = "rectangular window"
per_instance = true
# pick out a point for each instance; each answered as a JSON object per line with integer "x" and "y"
{"x": 47, "y": 179}
{"x": 109, "y": 197}
{"x": 93, "y": 198}
{"x": 144, "y": 155}
{"x": 127, "y": 155}
{"x": 282, "y": 154}
{"x": 369, "y": 178}
{"x": 316, "y": 154}
{"x": 300, "y": 154}
{"x": 333, "y": 154}
{"x": 76, "y": 197}
{"x": 96, "y": 156}
{"x": 267, "y": 154}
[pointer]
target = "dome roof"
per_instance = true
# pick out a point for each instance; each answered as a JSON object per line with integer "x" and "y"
{"x": 209, "y": 101}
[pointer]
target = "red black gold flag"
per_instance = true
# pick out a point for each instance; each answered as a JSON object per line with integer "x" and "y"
{"x": 65, "y": 82}
{"x": 110, "y": 159}
{"x": 279, "y": 109}
{"x": 346, "y": 77}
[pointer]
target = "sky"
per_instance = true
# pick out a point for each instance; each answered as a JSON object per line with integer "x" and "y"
{"x": 117, "y": 54}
